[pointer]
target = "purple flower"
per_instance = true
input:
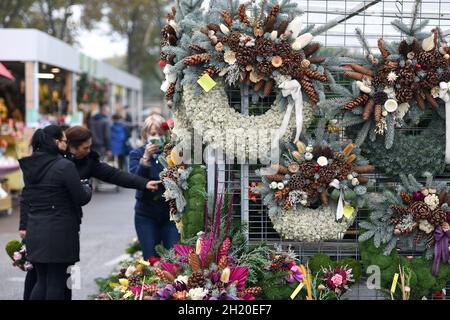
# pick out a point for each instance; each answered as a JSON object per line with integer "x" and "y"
{"x": 17, "y": 256}
{"x": 418, "y": 196}
{"x": 295, "y": 274}
{"x": 165, "y": 293}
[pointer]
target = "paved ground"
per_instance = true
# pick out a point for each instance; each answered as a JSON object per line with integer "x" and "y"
{"x": 107, "y": 228}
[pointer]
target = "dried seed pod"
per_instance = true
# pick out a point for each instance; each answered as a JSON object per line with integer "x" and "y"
{"x": 361, "y": 69}
{"x": 283, "y": 27}
{"x": 364, "y": 169}
{"x": 268, "y": 88}
{"x": 378, "y": 112}
{"x": 194, "y": 262}
{"x": 275, "y": 177}
{"x": 259, "y": 86}
{"x": 223, "y": 263}
{"x": 242, "y": 15}
{"x": 363, "y": 179}
{"x": 431, "y": 100}
{"x": 311, "y": 48}
{"x": 317, "y": 59}
{"x": 356, "y": 102}
{"x": 280, "y": 169}
{"x": 368, "y": 109}
{"x": 348, "y": 149}
{"x": 420, "y": 101}
{"x": 351, "y": 158}
{"x": 355, "y": 75}
{"x": 214, "y": 27}
{"x": 382, "y": 49}
{"x": 406, "y": 197}
{"x": 227, "y": 18}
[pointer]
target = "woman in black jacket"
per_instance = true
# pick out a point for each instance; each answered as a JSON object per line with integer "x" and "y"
{"x": 51, "y": 199}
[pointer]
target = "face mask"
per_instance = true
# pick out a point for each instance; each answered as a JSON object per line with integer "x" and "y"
{"x": 155, "y": 140}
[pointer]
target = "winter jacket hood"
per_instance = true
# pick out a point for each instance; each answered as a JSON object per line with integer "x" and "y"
{"x": 36, "y": 166}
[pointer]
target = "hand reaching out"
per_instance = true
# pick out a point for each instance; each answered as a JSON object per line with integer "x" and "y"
{"x": 153, "y": 185}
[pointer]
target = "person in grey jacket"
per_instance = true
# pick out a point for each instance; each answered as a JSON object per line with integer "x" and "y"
{"x": 101, "y": 132}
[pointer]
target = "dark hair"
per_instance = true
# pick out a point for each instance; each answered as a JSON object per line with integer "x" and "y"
{"x": 43, "y": 140}
{"x": 77, "y": 135}
{"x": 116, "y": 117}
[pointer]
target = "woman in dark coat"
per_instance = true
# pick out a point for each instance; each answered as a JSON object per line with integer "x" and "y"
{"x": 152, "y": 222}
{"x": 51, "y": 199}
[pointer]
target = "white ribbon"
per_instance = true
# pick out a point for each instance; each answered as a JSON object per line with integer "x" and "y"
{"x": 340, "y": 206}
{"x": 294, "y": 89}
{"x": 444, "y": 94}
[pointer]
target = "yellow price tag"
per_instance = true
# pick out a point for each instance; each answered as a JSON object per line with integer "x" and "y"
{"x": 145, "y": 263}
{"x": 348, "y": 211}
{"x": 297, "y": 290}
{"x": 206, "y": 82}
{"x": 394, "y": 283}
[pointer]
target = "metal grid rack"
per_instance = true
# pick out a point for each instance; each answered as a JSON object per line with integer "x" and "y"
{"x": 374, "y": 22}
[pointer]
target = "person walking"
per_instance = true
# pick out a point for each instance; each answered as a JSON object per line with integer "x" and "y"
{"x": 152, "y": 222}
{"x": 101, "y": 133}
{"x": 119, "y": 141}
{"x": 51, "y": 199}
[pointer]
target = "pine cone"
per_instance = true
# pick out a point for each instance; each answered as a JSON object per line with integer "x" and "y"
{"x": 271, "y": 18}
{"x": 310, "y": 91}
{"x": 406, "y": 76}
{"x": 419, "y": 236}
{"x": 315, "y": 75}
{"x": 380, "y": 97}
{"x": 227, "y": 18}
{"x": 356, "y": 102}
{"x": 400, "y": 210}
{"x": 437, "y": 217}
{"x": 134, "y": 281}
{"x": 253, "y": 291}
{"x": 173, "y": 207}
{"x": 171, "y": 91}
{"x": 167, "y": 30}
{"x": 264, "y": 67}
{"x": 194, "y": 261}
{"x": 164, "y": 276}
{"x": 196, "y": 280}
{"x": 420, "y": 210}
{"x": 264, "y": 47}
{"x": 210, "y": 71}
{"x": 242, "y": 15}
{"x": 233, "y": 40}
{"x": 326, "y": 175}
{"x": 430, "y": 80}
{"x": 425, "y": 59}
{"x": 368, "y": 109}
{"x": 217, "y": 286}
{"x": 283, "y": 27}
{"x": 404, "y": 94}
{"x": 445, "y": 76}
{"x": 283, "y": 49}
{"x": 223, "y": 263}
{"x": 197, "y": 59}
{"x": 196, "y": 48}
{"x": 297, "y": 182}
{"x": 403, "y": 48}
{"x": 430, "y": 240}
{"x": 406, "y": 197}
{"x": 245, "y": 55}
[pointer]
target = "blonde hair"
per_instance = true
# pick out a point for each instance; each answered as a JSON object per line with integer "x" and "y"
{"x": 153, "y": 120}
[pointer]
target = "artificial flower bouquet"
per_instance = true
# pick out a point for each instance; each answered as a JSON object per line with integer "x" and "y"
{"x": 16, "y": 250}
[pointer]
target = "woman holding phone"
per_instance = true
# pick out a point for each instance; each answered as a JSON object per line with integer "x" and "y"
{"x": 152, "y": 222}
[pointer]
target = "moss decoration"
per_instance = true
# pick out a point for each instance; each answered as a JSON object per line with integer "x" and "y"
{"x": 193, "y": 218}
{"x": 13, "y": 246}
{"x": 423, "y": 283}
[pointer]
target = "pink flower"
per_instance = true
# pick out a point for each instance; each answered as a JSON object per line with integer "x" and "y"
{"x": 17, "y": 256}
{"x": 337, "y": 280}
{"x": 295, "y": 274}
